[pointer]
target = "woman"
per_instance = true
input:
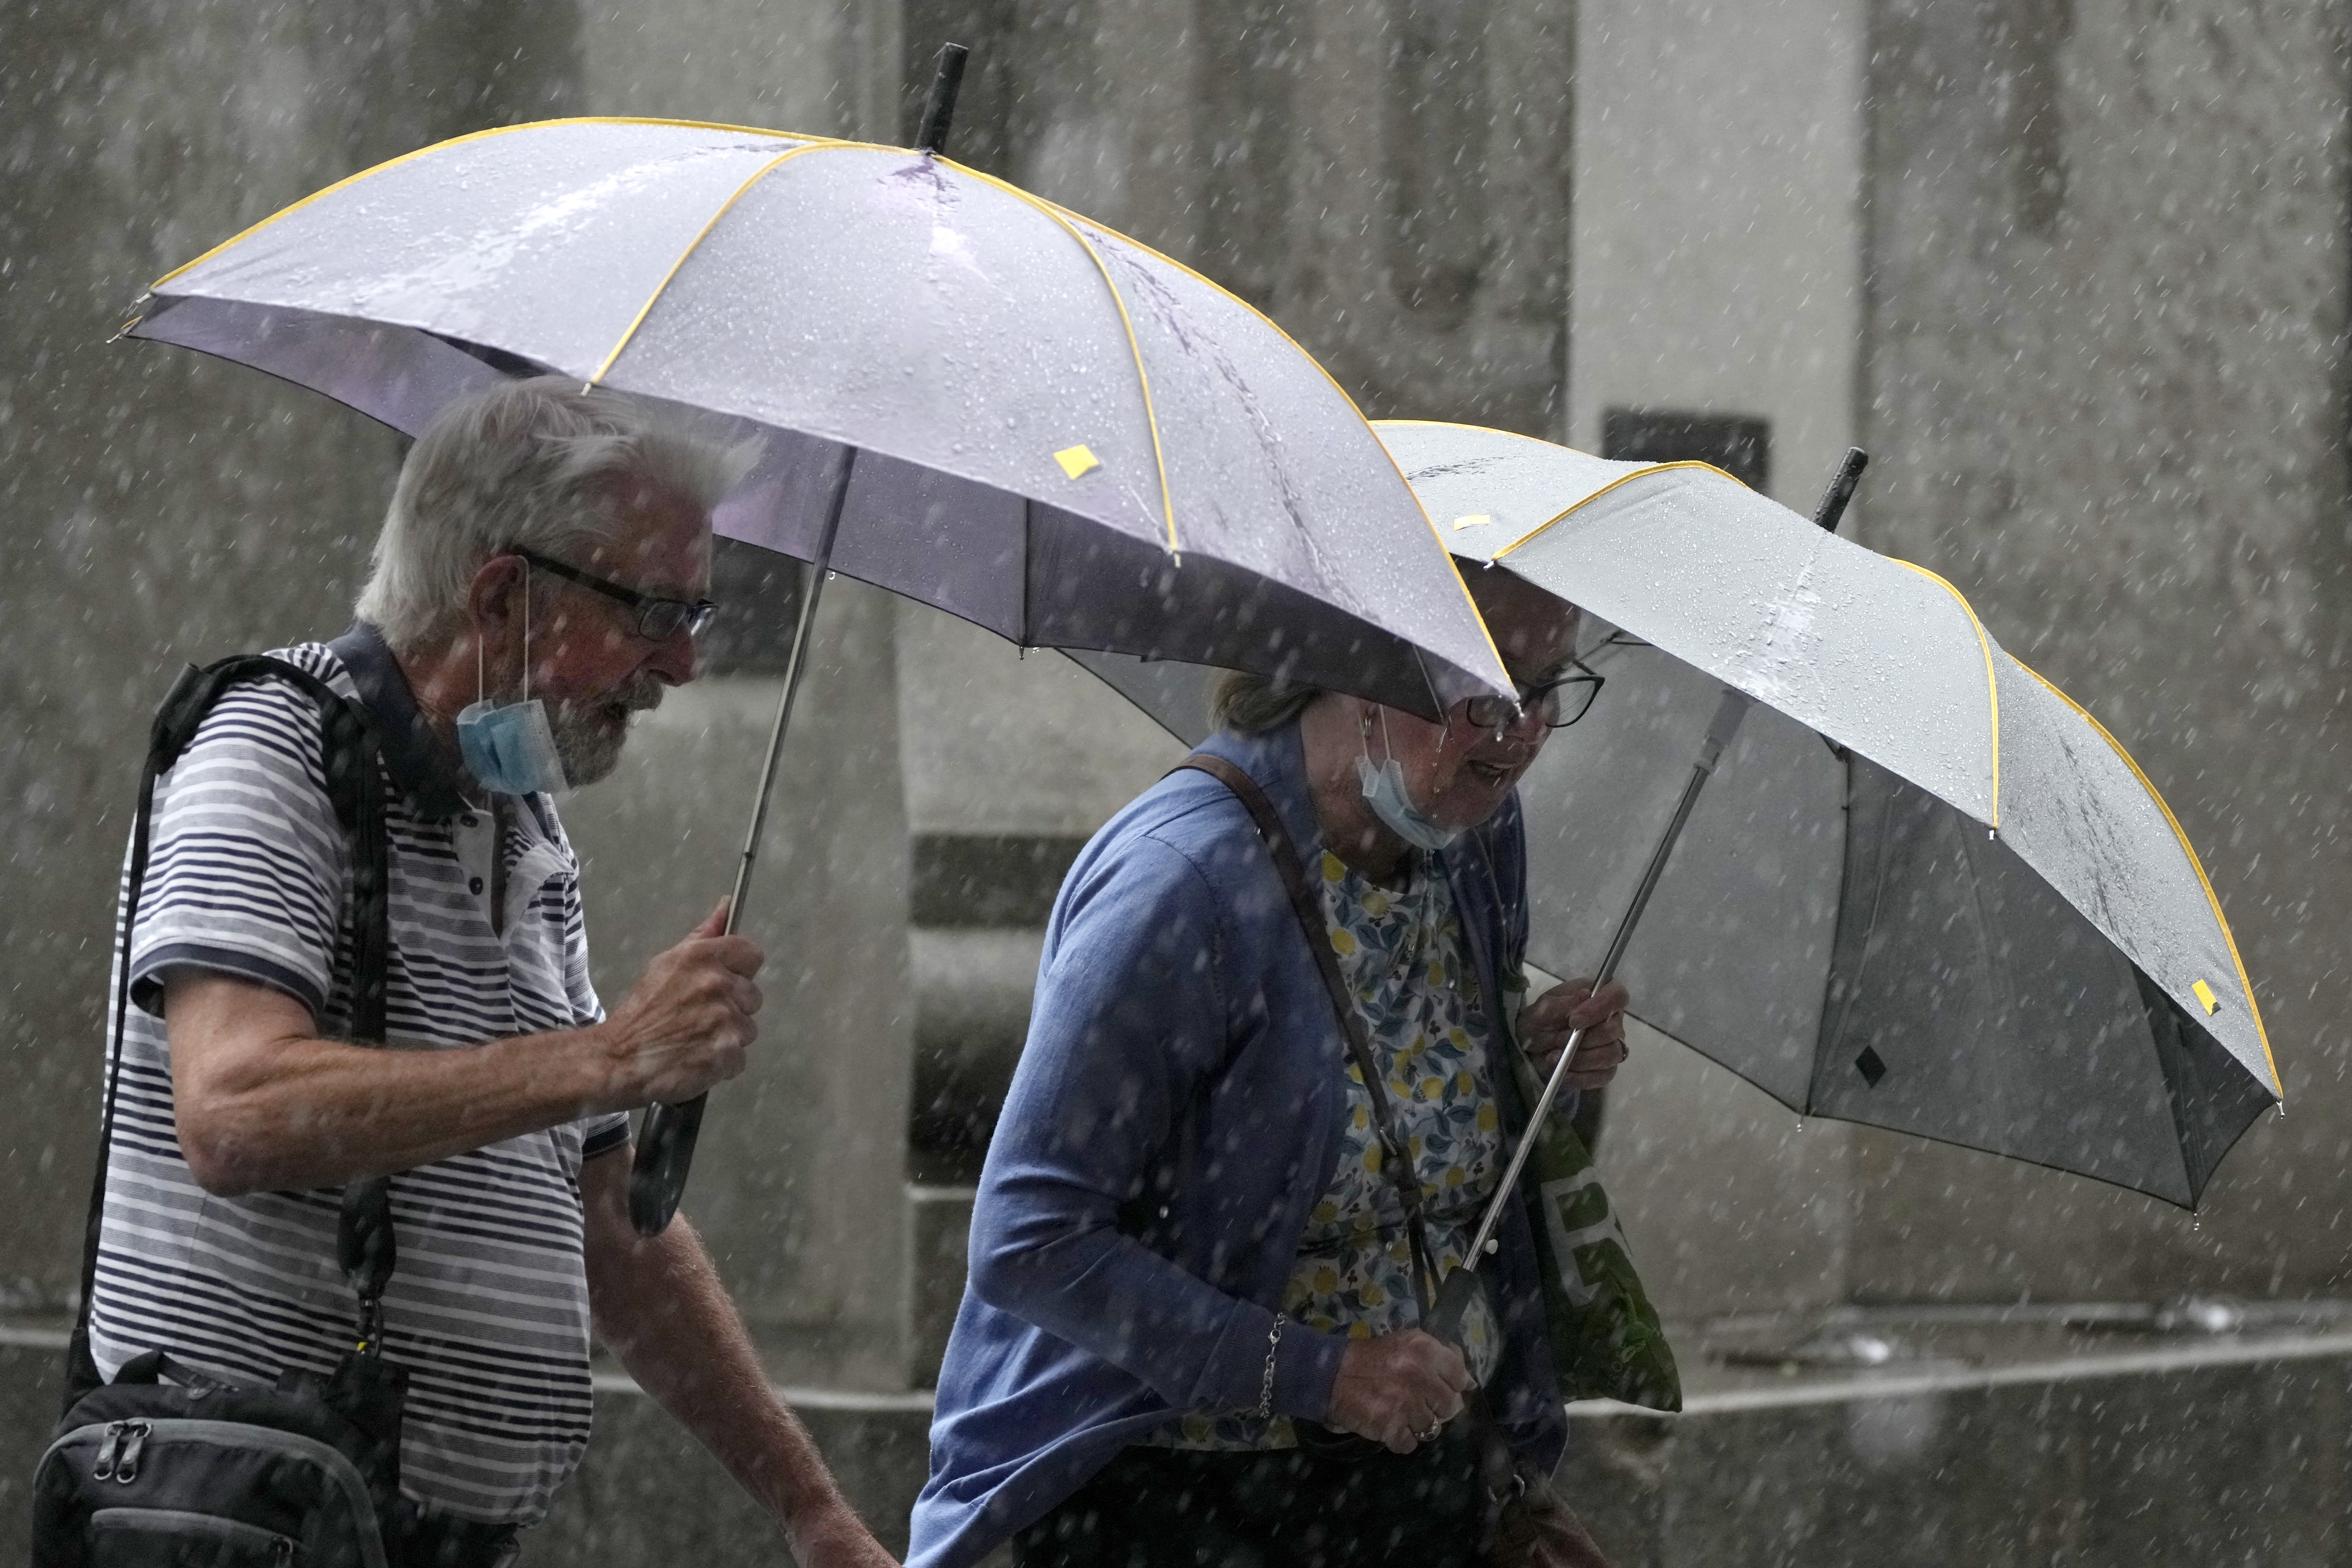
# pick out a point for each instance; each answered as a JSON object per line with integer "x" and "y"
{"x": 1192, "y": 1268}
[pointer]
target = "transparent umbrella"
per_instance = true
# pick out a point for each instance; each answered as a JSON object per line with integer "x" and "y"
{"x": 1922, "y": 889}
{"x": 966, "y": 394}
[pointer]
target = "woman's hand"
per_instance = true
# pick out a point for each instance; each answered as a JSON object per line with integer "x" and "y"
{"x": 1546, "y": 1023}
{"x": 1398, "y": 1389}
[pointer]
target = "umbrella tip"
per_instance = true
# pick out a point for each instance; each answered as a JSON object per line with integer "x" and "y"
{"x": 947, "y": 80}
{"x": 1841, "y": 490}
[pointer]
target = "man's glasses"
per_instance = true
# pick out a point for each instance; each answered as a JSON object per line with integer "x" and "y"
{"x": 1556, "y": 704}
{"x": 659, "y": 620}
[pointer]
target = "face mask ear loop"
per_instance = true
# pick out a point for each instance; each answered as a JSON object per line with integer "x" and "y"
{"x": 481, "y": 688}
{"x": 1386, "y": 744}
{"x": 526, "y": 629}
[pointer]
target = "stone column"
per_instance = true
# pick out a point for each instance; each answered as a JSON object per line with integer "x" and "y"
{"x": 796, "y": 1185}
{"x": 1717, "y": 270}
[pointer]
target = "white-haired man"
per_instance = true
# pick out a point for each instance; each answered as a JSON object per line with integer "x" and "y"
{"x": 544, "y": 542}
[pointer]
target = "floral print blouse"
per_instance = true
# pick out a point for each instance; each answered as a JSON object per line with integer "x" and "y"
{"x": 1402, "y": 953}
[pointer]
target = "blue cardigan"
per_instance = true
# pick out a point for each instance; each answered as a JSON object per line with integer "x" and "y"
{"x": 1175, "y": 1114}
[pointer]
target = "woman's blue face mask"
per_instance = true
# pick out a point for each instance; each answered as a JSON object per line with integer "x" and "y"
{"x": 1385, "y": 793}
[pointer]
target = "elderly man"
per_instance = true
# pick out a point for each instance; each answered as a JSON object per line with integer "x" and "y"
{"x": 544, "y": 544}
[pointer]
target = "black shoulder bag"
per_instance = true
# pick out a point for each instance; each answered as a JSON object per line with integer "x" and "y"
{"x": 166, "y": 1465}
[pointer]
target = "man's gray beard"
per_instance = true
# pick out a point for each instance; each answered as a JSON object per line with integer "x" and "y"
{"x": 587, "y": 753}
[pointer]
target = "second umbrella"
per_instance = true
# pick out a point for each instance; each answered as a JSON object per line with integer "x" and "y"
{"x": 1923, "y": 889}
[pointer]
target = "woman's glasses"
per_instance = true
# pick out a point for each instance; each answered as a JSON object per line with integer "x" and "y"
{"x": 1556, "y": 704}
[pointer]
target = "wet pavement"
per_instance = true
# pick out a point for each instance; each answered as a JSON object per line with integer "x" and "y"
{"x": 2200, "y": 1430}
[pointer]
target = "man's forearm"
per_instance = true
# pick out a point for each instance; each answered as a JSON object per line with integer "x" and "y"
{"x": 660, "y": 1307}
{"x": 312, "y": 1112}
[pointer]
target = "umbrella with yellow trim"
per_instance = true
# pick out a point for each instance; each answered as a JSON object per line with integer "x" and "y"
{"x": 1922, "y": 890}
{"x": 964, "y": 394}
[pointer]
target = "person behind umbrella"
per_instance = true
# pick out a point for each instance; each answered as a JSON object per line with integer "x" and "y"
{"x": 543, "y": 543}
{"x": 1187, "y": 1266}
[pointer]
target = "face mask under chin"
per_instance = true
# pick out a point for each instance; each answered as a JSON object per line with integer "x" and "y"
{"x": 1384, "y": 791}
{"x": 509, "y": 748}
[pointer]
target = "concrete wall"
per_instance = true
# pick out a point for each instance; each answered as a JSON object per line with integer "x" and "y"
{"x": 2104, "y": 371}
{"x": 162, "y": 508}
{"x": 1387, "y": 178}
{"x": 1717, "y": 254}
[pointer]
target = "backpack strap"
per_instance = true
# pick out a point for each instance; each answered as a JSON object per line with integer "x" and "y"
{"x": 350, "y": 758}
{"x": 1396, "y": 1153}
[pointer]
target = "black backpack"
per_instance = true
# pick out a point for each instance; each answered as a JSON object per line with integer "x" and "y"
{"x": 168, "y": 1466}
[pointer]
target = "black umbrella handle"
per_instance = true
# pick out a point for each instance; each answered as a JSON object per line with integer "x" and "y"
{"x": 665, "y": 1141}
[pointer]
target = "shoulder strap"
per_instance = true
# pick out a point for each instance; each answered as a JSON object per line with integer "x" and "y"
{"x": 350, "y": 753}
{"x": 1396, "y": 1153}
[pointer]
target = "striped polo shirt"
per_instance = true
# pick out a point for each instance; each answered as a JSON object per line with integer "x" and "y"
{"x": 249, "y": 874}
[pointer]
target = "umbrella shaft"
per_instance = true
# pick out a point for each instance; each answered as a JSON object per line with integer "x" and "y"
{"x": 803, "y": 633}
{"x": 665, "y": 1142}
{"x": 1727, "y": 715}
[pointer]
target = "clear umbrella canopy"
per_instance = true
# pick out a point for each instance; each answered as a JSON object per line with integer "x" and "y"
{"x": 1924, "y": 889}
{"x": 963, "y": 393}
{"x": 1059, "y": 434}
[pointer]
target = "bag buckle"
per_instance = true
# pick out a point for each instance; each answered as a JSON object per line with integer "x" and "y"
{"x": 371, "y": 1341}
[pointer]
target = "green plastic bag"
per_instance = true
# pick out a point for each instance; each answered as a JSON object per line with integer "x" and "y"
{"x": 1606, "y": 1342}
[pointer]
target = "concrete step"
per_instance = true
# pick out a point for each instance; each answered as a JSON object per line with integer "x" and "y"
{"x": 938, "y": 1227}
{"x": 973, "y": 992}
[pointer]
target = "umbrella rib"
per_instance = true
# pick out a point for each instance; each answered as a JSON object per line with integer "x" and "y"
{"x": 1992, "y": 683}
{"x": 764, "y": 170}
{"x": 1278, "y": 330}
{"x": 1861, "y": 947}
{"x": 1485, "y": 430}
{"x": 291, "y": 208}
{"x": 1640, "y": 473}
{"x": 2245, "y": 984}
{"x": 1134, "y": 349}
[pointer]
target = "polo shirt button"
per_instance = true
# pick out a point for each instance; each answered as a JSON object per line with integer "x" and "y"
{"x": 474, "y": 886}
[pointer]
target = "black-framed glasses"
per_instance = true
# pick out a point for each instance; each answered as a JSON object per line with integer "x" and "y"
{"x": 1557, "y": 704}
{"x": 659, "y": 620}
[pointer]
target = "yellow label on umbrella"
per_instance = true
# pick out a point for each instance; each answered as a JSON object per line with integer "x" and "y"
{"x": 1077, "y": 461}
{"x": 1476, "y": 520}
{"x": 2205, "y": 994}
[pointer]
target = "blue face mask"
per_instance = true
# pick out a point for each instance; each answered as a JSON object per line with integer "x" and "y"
{"x": 509, "y": 748}
{"x": 1384, "y": 791}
